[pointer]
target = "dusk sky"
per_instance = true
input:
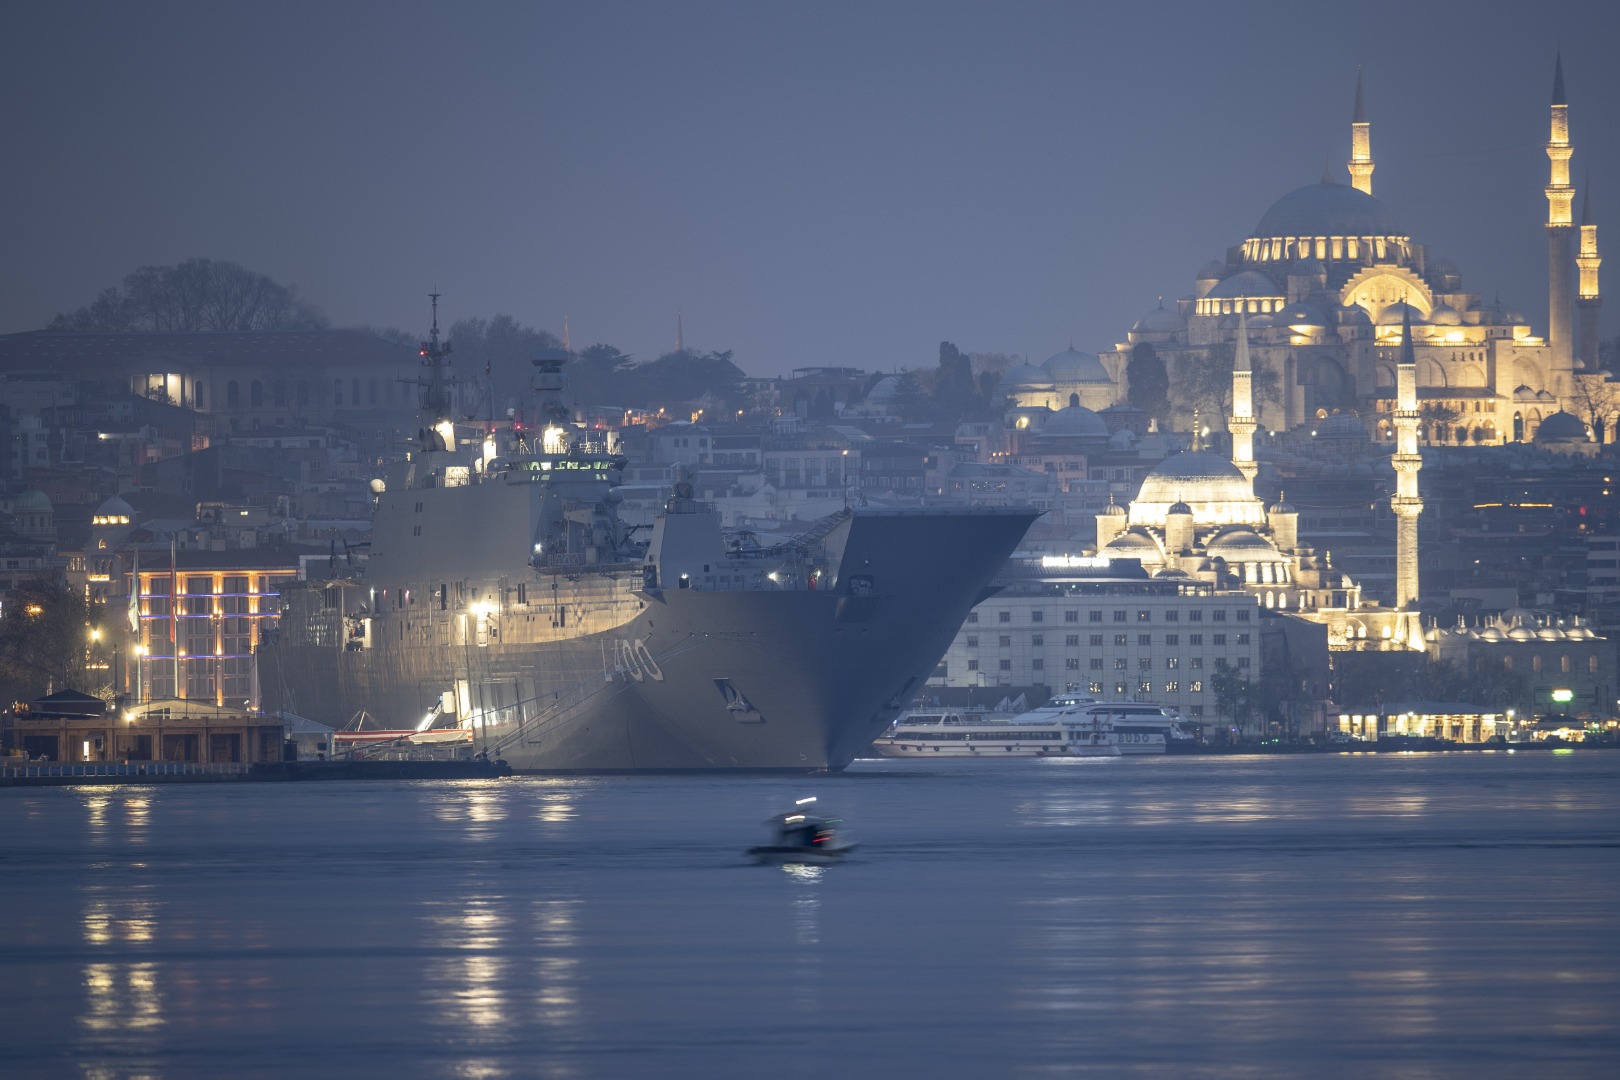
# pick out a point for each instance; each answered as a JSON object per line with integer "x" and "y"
{"x": 809, "y": 184}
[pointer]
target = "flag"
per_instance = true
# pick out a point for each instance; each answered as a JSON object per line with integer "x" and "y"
{"x": 135, "y": 594}
{"x": 174, "y": 598}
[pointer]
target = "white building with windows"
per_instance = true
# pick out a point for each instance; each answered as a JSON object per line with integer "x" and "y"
{"x": 1105, "y": 627}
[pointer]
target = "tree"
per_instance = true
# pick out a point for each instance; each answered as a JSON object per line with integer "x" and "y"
{"x": 684, "y": 376}
{"x": 1149, "y": 382}
{"x": 1437, "y": 420}
{"x": 1203, "y": 381}
{"x": 44, "y": 638}
{"x": 1596, "y": 401}
{"x": 193, "y": 296}
{"x": 492, "y": 358}
{"x": 1236, "y": 695}
{"x": 954, "y": 388}
{"x": 598, "y": 374}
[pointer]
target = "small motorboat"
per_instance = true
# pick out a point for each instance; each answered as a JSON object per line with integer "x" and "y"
{"x": 801, "y": 835}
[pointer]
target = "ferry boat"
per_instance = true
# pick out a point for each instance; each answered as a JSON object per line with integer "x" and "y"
{"x": 938, "y": 733}
{"x": 504, "y": 600}
{"x": 1140, "y": 727}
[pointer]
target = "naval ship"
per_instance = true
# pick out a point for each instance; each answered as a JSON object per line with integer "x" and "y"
{"x": 505, "y": 608}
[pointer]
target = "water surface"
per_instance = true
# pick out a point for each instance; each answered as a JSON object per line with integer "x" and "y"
{"x": 1412, "y": 916}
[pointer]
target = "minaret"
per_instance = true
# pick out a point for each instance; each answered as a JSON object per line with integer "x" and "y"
{"x": 1361, "y": 162}
{"x": 1589, "y": 299}
{"x": 1560, "y": 227}
{"x": 680, "y": 346}
{"x": 567, "y": 346}
{"x": 1407, "y": 462}
{"x": 1241, "y": 424}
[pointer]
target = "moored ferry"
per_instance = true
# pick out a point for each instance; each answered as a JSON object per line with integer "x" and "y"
{"x": 955, "y": 733}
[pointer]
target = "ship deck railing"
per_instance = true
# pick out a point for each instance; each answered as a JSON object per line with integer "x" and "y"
{"x": 54, "y": 770}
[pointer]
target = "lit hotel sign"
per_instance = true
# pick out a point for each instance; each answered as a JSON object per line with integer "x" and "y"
{"x": 1075, "y": 562}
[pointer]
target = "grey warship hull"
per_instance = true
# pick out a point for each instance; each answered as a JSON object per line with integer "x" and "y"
{"x": 686, "y": 674}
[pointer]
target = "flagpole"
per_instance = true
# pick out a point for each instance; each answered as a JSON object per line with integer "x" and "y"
{"x": 174, "y": 613}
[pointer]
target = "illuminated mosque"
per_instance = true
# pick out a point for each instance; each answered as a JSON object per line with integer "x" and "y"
{"x": 1197, "y": 516}
{"x": 1328, "y": 278}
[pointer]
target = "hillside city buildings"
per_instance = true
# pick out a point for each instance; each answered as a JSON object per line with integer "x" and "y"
{"x": 1433, "y": 477}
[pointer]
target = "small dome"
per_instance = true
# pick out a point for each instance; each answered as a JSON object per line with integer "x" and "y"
{"x": 1113, "y": 509}
{"x": 1302, "y": 316}
{"x": 115, "y": 507}
{"x": 1261, "y": 321}
{"x": 1521, "y": 633}
{"x": 1211, "y": 271}
{"x": 1561, "y": 427}
{"x": 1179, "y": 508}
{"x": 1310, "y": 266}
{"x": 1158, "y": 321}
{"x": 1444, "y": 315}
{"x": 1396, "y": 313}
{"x": 32, "y": 501}
{"x": 1242, "y": 544}
{"x": 1136, "y": 543}
{"x": 1025, "y": 377}
{"x": 1282, "y": 506}
{"x": 1354, "y": 315}
{"x": 1445, "y": 274}
{"x": 1076, "y": 421}
{"x": 1327, "y": 209}
{"x": 1342, "y": 426}
{"x": 1172, "y": 572}
{"x": 1244, "y": 285}
{"x": 1071, "y": 366}
{"x": 887, "y": 389}
{"x": 1492, "y": 633}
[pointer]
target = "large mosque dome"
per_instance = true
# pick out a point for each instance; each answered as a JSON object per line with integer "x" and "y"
{"x": 1327, "y": 209}
{"x": 1211, "y": 485}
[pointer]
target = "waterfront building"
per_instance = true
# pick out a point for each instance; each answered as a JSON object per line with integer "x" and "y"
{"x": 1108, "y": 628}
{"x": 200, "y": 618}
{"x": 1567, "y": 667}
{"x": 70, "y": 727}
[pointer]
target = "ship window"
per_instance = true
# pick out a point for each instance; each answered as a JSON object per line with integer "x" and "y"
{"x": 562, "y": 615}
{"x": 523, "y": 594}
{"x": 444, "y": 597}
{"x": 416, "y": 530}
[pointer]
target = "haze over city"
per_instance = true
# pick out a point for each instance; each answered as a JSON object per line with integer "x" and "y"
{"x": 828, "y": 184}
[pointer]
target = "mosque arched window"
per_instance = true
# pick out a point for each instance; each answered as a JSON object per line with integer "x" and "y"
{"x": 1564, "y": 665}
{"x": 233, "y": 394}
{"x": 199, "y": 394}
{"x": 256, "y": 394}
{"x": 1074, "y": 399}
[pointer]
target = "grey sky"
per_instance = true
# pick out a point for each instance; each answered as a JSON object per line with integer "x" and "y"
{"x": 829, "y": 183}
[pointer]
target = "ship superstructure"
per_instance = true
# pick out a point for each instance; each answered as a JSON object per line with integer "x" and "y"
{"x": 503, "y": 596}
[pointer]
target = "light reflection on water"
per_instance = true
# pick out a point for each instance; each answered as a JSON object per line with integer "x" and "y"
{"x": 1440, "y": 916}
